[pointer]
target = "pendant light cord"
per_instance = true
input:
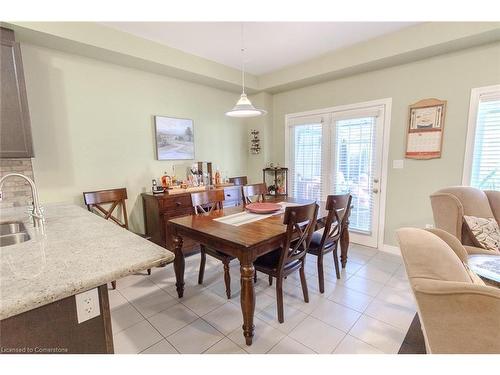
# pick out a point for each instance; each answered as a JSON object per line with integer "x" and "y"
{"x": 242, "y": 60}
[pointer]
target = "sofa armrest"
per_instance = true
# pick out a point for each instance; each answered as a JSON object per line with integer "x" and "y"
{"x": 448, "y": 213}
{"x": 452, "y": 242}
{"x": 494, "y": 199}
{"x": 459, "y": 317}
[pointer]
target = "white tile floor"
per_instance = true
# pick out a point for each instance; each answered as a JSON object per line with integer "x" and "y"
{"x": 368, "y": 310}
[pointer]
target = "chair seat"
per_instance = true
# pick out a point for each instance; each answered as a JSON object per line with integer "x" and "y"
{"x": 268, "y": 263}
{"x": 315, "y": 244}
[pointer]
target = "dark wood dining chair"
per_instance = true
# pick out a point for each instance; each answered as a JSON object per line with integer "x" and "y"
{"x": 205, "y": 202}
{"x": 300, "y": 223}
{"x": 240, "y": 180}
{"x": 328, "y": 240}
{"x": 257, "y": 191}
{"x": 96, "y": 201}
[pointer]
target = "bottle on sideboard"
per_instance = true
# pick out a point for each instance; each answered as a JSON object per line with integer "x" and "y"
{"x": 217, "y": 178}
{"x": 165, "y": 180}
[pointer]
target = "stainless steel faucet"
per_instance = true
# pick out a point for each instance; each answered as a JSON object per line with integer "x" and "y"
{"x": 37, "y": 214}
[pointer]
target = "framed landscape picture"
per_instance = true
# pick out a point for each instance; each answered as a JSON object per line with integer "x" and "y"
{"x": 174, "y": 138}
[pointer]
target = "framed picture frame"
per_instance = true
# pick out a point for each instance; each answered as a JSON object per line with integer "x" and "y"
{"x": 174, "y": 138}
{"x": 424, "y": 138}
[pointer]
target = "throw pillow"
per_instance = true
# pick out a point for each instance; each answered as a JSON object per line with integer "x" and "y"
{"x": 485, "y": 231}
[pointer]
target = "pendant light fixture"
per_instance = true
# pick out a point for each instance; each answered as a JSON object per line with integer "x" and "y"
{"x": 244, "y": 107}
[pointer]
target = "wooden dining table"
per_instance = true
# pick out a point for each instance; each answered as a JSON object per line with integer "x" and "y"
{"x": 245, "y": 242}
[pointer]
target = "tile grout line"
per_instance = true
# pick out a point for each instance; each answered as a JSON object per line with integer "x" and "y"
{"x": 142, "y": 351}
{"x": 286, "y": 334}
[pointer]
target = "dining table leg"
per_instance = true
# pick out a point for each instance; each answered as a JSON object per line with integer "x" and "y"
{"x": 179, "y": 265}
{"x": 247, "y": 299}
{"x": 344, "y": 245}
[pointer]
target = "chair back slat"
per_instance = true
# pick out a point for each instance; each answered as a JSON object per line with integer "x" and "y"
{"x": 300, "y": 222}
{"x": 207, "y": 201}
{"x": 255, "y": 190}
{"x": 94, "y": 200}
{"x": 338, "y": 207}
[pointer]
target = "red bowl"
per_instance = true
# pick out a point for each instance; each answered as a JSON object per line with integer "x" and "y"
{"x": 263, "y": 208}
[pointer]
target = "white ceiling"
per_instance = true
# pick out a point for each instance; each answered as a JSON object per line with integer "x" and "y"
{"x": 268, "y": 45}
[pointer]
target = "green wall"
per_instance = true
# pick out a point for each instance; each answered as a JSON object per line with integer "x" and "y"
{"x": 92, "y": 126}
{"x": 448, "y": 77}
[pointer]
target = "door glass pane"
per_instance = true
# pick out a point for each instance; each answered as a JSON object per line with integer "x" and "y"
{"x": 354, "y": 166}
{"x": 305, "y": 166}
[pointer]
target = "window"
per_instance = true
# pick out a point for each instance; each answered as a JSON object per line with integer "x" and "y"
{"x": 305, "y": 159}
{"x": 482, "y": 156}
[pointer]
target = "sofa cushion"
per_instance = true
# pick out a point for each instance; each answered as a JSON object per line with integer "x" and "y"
{"x": 485, "y": 231}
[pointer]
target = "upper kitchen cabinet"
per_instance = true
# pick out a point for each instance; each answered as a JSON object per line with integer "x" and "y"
{"x": 15, "y": 128}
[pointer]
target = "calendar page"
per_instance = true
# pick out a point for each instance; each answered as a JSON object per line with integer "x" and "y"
{"x": 424, "y": 144}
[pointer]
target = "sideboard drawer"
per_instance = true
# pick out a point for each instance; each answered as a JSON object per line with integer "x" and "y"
{"x": 176, "y": 203}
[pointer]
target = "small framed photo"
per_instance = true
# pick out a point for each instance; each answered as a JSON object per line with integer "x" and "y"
{"x": 174, "y": 138}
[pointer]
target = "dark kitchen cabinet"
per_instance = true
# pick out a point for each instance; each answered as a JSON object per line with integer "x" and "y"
{"x": 15, "y": 127}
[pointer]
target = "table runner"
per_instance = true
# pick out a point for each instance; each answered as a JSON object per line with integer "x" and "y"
{"x": 246, "y": 217}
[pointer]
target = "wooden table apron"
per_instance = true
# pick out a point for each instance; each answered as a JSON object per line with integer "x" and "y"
{"x": 201, "y": 229}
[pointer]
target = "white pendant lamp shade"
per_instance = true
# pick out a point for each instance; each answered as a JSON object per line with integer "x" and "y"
{"x": 244, "y": 108}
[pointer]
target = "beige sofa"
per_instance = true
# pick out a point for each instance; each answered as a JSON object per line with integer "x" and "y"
{"x": 458, "y": 312}
{"x": 451, "y": 204}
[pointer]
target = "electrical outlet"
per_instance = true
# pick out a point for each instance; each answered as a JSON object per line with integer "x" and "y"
{"x": 398, "y": 164}
{"x": 429, "y": 226}
{"x": 87, "y": 305}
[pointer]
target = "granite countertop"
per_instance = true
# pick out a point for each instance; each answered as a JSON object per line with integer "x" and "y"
{"x": 78, "y": 251}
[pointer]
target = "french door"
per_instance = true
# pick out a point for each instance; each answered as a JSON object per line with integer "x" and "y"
{"x": 337, "y": 151}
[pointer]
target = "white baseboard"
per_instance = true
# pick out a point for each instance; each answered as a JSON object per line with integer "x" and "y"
{"x": 391, "y": 249}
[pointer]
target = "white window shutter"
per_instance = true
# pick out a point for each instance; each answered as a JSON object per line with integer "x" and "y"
{"x": 485, "y": 171}
{"x": 305, "y": 159}
{"x": 355, "y": 158}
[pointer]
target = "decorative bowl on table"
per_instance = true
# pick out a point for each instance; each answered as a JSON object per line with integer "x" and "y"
{"x": 263, "y": 207}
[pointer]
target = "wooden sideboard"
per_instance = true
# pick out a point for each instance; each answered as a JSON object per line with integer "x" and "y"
{"x": 160, "y": 208}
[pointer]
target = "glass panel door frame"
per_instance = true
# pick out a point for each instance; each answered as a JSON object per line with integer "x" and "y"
{"x": 383, "y": 131}
{"x": 367, "y": 239}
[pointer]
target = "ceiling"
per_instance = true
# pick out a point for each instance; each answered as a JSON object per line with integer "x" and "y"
{"x": 269, "y": 46}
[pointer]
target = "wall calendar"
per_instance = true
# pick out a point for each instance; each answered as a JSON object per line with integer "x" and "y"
{"x": 425, "y": 129}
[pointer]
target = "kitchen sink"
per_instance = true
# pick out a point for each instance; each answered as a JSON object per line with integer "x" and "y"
{"x": 12, "y": 233}
{"x": 13, "y": 239}
{"x": 11, "y": 228}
